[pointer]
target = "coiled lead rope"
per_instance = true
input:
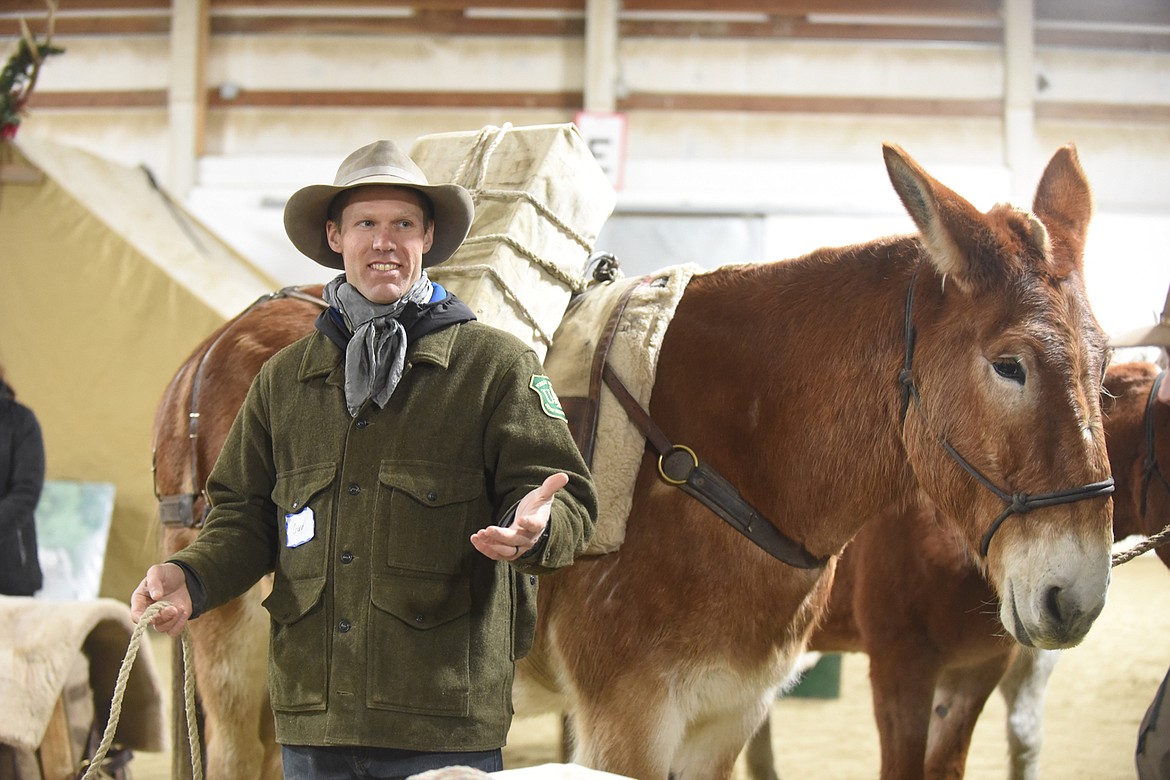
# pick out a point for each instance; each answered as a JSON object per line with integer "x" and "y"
{"x": 95, "y": 763}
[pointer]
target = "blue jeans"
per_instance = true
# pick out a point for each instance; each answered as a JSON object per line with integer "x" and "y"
{"x": 304, "y": 762}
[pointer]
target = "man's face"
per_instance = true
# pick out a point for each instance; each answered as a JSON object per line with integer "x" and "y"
{"x": 381, "y": 235}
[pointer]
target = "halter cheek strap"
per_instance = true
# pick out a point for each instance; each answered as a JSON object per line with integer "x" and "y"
{"x": 1017, "y": 503}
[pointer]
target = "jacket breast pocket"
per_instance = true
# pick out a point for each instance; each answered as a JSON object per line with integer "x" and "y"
{"x": 420, "y": 645}
{"x": 426, "y": 513}
{"x": 305, "y": 506}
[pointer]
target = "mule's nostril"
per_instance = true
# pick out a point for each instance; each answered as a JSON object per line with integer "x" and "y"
{"x": 1052, "y": 602}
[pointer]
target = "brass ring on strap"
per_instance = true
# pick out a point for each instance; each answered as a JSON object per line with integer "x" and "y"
{"x": 677, "y": 448}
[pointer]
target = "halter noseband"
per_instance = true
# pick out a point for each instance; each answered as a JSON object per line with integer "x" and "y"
{"x": 1017, "y": 503}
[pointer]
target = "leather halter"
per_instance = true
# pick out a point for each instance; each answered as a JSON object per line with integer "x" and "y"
{"x": 1017, "y": 503}
{"x": 1150, "y": 467}
{"x": 179, "y": 509}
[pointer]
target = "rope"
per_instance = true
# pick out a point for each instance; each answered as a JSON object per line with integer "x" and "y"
{"x": 478, "y": 149}
{"x": 509, "y": 293}
{"x": 482, "y": 149}
{"x": 95, "y": 763}
{"x": 575, "y": 284}
{"x": 1156, "y": 540}
{"x": 541, "y": 209}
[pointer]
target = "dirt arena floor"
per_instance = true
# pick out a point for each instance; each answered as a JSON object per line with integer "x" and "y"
{"x": 1096, "y": 699}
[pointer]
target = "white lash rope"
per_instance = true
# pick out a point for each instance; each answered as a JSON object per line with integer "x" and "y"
{"x": 93, "y": 770}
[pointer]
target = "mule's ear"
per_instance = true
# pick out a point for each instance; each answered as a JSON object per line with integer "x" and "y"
{"x": 945, "y": 219}
{"x": 1064, "y": 202}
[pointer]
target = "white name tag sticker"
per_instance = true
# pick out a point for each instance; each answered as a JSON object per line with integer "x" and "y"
{"x": 299, "y": 527}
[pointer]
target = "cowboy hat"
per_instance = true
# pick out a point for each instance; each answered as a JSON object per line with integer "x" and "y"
{"x": 381, "y": 162}
{"x": 1157, "y": 335}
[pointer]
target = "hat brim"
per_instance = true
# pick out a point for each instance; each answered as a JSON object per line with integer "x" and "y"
{"x": 1150, "y": 336}
{"x": 307, "y": 210}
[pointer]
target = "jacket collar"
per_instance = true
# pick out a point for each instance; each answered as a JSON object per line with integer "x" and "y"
{"x": 323, "y": 357}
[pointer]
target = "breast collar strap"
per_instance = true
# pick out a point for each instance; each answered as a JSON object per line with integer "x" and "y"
{"x": 678, "y": 465}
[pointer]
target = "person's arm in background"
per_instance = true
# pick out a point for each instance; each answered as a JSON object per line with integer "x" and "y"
{"x": 18, "y": 505}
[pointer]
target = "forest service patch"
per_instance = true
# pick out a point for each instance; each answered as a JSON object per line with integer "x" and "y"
{"x": 549, "y": 402}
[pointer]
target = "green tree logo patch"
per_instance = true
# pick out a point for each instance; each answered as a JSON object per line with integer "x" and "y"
{"x": 549, "y": 402}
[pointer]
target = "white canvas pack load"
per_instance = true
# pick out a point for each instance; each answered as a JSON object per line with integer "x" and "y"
{"x": 540, "y": 200}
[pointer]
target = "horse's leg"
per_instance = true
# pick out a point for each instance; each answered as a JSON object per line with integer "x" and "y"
{"x": 902, "y": 683}
{"x": 958, "y": 700}
{"x": 230, "y": 646}
{"x": 627, "y": 729}
{"x": 1024, "y": 687}
{"x": 761, "y": 762}
{"x": 711, "y": 747}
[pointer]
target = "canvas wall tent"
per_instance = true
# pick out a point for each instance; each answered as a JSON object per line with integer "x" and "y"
{"x": 106, "y": 285}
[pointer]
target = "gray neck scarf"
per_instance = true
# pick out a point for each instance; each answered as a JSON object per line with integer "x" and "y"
{"x": 376, "y": 353}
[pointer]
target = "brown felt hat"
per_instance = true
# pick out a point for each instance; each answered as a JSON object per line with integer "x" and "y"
{"x": 381, "y": 162}
{"x": 1156, "y": 335}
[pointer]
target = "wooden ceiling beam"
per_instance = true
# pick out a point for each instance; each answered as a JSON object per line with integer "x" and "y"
{"x": 429, "y": 22}
{"x": 1065, "y": 111}
{"x": 1142, "y": 25}
{"x": 253, "y": 98}
{"x": 810, "y": 104}
{"x": 152, "y": 24}
{"x": 799, "y": 28}
{"x": 34, "y": 8}
{"x": 980, "y": 9}
{"x": 442, "y": 5}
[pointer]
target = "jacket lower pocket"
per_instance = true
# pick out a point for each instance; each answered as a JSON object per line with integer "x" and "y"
{"x": 420, "y": 640}
{"x": 297, "y": 666}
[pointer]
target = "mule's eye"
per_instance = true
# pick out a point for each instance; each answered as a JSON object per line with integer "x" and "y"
{"x": 1010, "y": 368}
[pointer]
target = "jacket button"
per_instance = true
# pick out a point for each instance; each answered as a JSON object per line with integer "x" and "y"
{"x": 532, "y": 580}
{"x": 347, "y": 557}
{"x": 344, "y": 626}
{"x": 419, "y": 619}
{"x": 362, "y": 424}
{"x": 354, "y": 488}
{"x": 432, "y": 496}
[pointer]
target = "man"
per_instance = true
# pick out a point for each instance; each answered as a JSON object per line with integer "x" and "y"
{"x": 1152, "y": 756}
{"x": 404, "y": 477}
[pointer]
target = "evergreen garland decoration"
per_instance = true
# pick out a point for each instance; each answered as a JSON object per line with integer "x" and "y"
{"x": 19, "y": 76}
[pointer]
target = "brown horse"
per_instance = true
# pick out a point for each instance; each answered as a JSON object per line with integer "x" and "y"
{"x": 1138, "y": 435}
{"x": 229, "y": 644}
{"x": 909, "y": 594}
{"x": 964, "y": 363}
{"x": 785, "y": 377}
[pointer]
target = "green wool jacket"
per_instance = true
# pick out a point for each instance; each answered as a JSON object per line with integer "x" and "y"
{"x": 389, "y": 629}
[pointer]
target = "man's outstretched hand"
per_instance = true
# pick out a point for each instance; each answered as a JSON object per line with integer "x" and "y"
{"x": 532, "y": 513}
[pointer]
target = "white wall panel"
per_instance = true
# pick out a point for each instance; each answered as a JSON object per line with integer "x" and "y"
{"x": 1079, "y": 75}
{"x": 396, "y": 63}
{"x": 812, "y": 68}
{"x": 106, "y": 63}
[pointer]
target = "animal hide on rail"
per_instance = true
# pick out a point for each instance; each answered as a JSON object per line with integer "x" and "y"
{"x": 40, "y": 641}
